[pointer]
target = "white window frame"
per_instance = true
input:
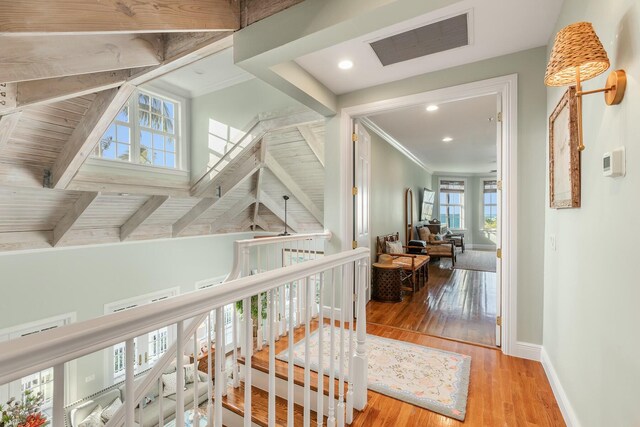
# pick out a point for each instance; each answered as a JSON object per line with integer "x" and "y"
{"x": 14, "y": 389}
{"x": 181, "y": 135}
{"x": 142, "y": 347}
{"x": 482, "y": 205}
{"x": 463, "y": 215}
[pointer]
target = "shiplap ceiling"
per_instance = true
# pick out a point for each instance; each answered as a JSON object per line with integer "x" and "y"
{"x": 471, "y": 123}
{"x": 496, "y": 28}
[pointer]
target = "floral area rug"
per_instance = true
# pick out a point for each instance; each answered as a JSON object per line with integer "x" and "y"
{"x": 433, "y": 379}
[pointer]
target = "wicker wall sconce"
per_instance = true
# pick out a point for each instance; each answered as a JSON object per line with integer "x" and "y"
{"x": 578, "y": 55}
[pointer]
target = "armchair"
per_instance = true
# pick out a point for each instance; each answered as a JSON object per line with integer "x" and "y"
{"x": 437, "y": 246}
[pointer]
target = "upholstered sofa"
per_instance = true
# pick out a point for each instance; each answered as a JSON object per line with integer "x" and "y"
{"x": 436, "y": 245}
{"x": 79, "y": 411}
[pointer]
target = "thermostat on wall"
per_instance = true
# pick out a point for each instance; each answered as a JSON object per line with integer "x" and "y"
{"x": 613, "y": 163}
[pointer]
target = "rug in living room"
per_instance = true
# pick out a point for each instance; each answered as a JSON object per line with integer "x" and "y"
{"x": 433, "y": 379}
{"x": 476, "y": 260}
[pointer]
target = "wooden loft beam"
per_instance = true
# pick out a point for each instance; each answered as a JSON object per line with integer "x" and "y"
{"x": 37, "y": 17}
{"x": 65, "y": 224}
{"x": 7, "y": 126}
{"x": 257, "y": 204}
{"x": 293, "y": 187}
{"x": 278, "y": 211}
{"x": 86, "y": 135}
{"x": 141, "y": 215}
{"x": 233, "y": 212}
{"x": 260, "y": 222}
{"x": 34, "y": 58}
{"x": 316, "y": 146}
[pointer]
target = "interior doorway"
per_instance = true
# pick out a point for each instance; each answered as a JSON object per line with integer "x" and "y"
{"x": 497, "y": 192}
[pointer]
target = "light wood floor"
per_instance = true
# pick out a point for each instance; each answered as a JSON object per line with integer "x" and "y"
{"x": 458, "y": 304}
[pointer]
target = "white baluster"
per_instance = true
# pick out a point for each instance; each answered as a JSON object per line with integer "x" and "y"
{"x": 299, "y": 295}
{"x": 290, "y": 390}
{"x": 220, "y": 377}
{"x": 160, "y": 403}
{"x": 320, "y": 393}
{"x": 209, "y": 371}
{"x": 259, "y": 319}
{"x": 272, "y": 360}
{"x": 343, "y": 299}
{"x": 350, "y": 313}
{"x": 248, "y": 324}
{"x": 58, "y": 396}
{"x": 223, "y": 354}
{"x": 331, "y": 418}
{"x": 307, "y": 355}
{"x": 360, "y": 363}
{"x": 234, "y": 339}
{"x": 179, "y": 375}
{"x": 129, "y": 402}
{"x": 196, "y": 415}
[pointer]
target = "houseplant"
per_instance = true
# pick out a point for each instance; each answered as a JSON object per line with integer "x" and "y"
{"x": 26, "y": 412}
{"x": 254, "y": 310}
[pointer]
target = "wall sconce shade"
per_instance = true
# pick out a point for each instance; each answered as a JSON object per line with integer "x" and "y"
{"x": 577, "y": 53}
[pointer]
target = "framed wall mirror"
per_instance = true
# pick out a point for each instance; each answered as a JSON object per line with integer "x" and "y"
{"x": 408, "y": 215}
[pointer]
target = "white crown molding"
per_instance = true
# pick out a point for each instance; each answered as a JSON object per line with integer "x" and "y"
{"x": 569, "y": 415}
{"x": 395, "y": 143}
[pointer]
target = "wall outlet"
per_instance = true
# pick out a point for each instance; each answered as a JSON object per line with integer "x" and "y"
{"x": 552, "y": 241}
{"x": 90, "y": 378}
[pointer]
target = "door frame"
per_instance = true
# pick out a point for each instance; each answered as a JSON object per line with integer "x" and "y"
{"x": 506, "y": 87}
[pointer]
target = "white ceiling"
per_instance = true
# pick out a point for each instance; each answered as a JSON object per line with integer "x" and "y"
{"x": 473, "y": 149}
{"x": 497, "y": 27}
{"x": 207, "y": 75}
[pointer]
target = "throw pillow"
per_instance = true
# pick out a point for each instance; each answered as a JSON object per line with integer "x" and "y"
{"x": 395, "y": 247}
{"x": 170, "y": 384}
{"x": 189, "y": 374}
{"x": 93, "y": 419}
{"x": 424, "y": 233}
{"x": 110, "y": 410}
{"x": 438, "y": 237}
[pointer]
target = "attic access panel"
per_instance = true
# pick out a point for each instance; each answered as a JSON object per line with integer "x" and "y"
{"x": 433, "y": 38}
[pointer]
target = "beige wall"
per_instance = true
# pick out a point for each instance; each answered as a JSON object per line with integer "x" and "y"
{"x": 391, "y": 174}
{"x": 529, "y": 65}
{"x": 592, "y": 290}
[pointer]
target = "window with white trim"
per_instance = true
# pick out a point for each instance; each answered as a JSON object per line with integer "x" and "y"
{"x": 489, "y": 204}
{"x": 149, "y": 347}
{"x": 146, "y": 131}
{"x": 452, "y": 203}
{"x": 227, "y": 318}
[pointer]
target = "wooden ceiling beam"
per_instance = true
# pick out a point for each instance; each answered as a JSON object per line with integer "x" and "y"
{"x": 35, "y": 17}
{"x": 316, "y": 146}
{"x": 141, "y": 215}
{"x": 34, "y": 58}
{"x": 260, "y": 222}
{"x": 8, "y": 124}
{"x": 67, "y": 221}
{"x": 87, "y": 134}
{"x": 257, "y": 193}
{"x": 293, "y": 187}
{"x": 232, "y": 212}
{"x": 278, "y": 211}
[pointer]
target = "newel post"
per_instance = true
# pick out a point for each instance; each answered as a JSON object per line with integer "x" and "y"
{"x": 360, "y": 362}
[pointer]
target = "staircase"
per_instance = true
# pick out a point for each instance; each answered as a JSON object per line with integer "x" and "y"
{"x": 250, "y": 387}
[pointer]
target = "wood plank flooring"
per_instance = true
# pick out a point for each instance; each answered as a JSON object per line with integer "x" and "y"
{"x": 457, "y": 304}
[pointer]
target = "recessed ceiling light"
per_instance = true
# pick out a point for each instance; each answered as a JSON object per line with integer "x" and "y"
{"x": 432, "y": 108}
{"x": 447, "y": 139}
{"x": 345, "y": 64}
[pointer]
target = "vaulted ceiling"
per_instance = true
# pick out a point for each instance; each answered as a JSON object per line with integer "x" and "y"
{"x": 65, "y": 77}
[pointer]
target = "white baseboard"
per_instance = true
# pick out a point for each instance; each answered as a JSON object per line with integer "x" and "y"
{"x": 569, "y": 415}
{"x": 527, "y": 350}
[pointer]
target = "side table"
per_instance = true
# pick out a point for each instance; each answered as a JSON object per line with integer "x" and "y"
{"x": 387, "y": 282}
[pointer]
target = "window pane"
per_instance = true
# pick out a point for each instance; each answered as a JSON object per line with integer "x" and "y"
{"x": 158, "y": 158}
{"x": 145, "y": 155}
{"x": 168, "y": 109}
{"x": 170, "y": 160}
{"x": 156, "y": 122}
{"x": 443, "y": 198}
{"x": 122, "y": 134}
{"x": 156, "y": 105}
{"x": 158, "y": 142}
{"x": 168, "y": 125}
{"x": 109, "y": 150}
{"x": 145, "y": 139}
{"x": 144, "y": 119}
{"x": 143, "y": 102}
{"x": 123, "y": 115}
{"x": 123, "y": 152}
{"x": 170, "y": 144}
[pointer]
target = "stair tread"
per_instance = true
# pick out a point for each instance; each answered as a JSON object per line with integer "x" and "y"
{"x": 234, "y": 401}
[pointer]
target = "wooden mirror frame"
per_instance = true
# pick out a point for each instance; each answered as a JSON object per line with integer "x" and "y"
{"x": 408, "y": 215}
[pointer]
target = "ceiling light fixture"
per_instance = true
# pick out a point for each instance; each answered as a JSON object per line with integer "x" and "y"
{"x": 345, "y": 64}
{"x": 432, "y": 108}
{"x": 447, "y": 139}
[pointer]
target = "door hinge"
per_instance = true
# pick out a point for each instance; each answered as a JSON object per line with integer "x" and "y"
{"x": 354, "y": 191}
{"x": 499, "y": 320}
{"x": 499, "y": 184}
{"x": 354, "y": 244}
{"x": 500, "y": 117}
{"x": 354, "y": 137}
{"x": 499, "y": 253}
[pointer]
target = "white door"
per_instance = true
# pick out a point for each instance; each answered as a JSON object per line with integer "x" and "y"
{"x": 361, "y": 178}
{"x": 500, "y": 201}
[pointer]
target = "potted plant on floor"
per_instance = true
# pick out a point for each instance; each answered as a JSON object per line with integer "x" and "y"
{"x": 26, "y": 412}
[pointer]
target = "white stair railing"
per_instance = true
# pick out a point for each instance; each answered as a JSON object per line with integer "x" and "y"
{"x": 57, "y": 347}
